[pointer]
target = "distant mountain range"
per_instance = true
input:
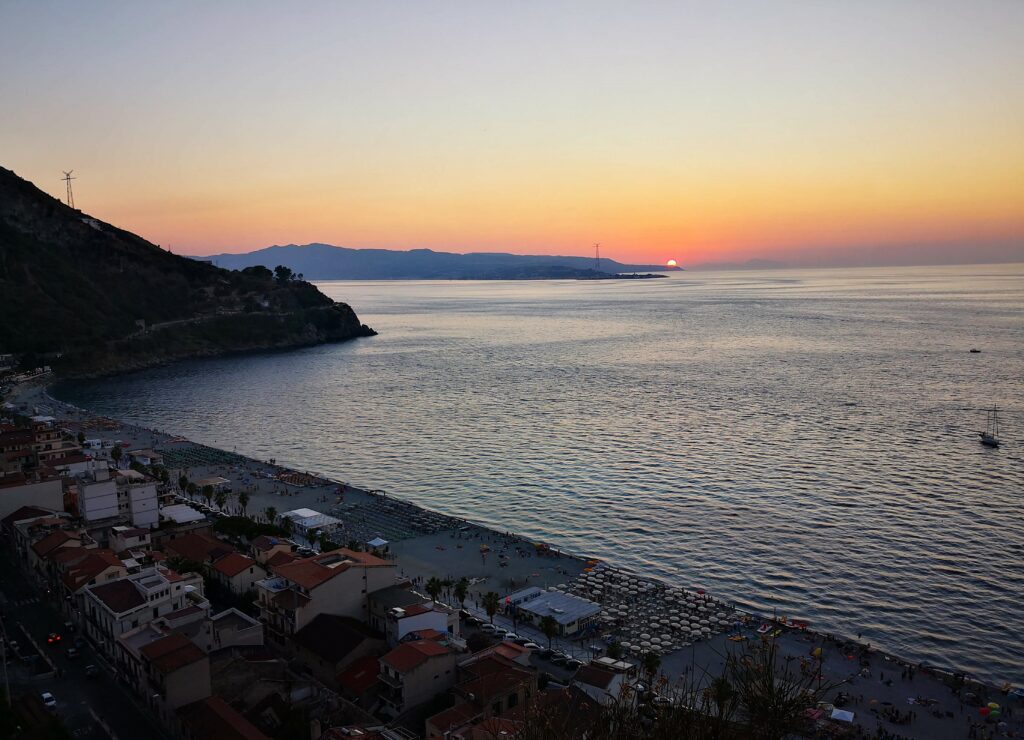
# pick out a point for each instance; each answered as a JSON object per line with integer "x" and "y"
{"x": 327, "y": 262}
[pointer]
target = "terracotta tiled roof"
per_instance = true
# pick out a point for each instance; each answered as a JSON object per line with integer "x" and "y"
{"x": 171, "y": 653}
{"x": 311, "y": 572}
{"x": 408, "y": 655}
{"x": 92, "y": 565}
{"x": 214, "y": 719}
{"x": 264, "y": 543}
{"x": 428, "y": 634}
{"x": 233, "y": 563}
{"x": 195, "y": 547}
{"x": 119, "y": 596}
{"x": 492, "y": 676}
{"x": 415, "y": 609}
{"x": 52, "y": 541}
{"x": 280, "y": 558}
{"x": 361, "y": 676}
{"x": 455, "y": 717}
{"x": 25, "y": 512}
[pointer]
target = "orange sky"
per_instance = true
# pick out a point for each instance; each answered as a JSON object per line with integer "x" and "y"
{"x": 803, "y": 132}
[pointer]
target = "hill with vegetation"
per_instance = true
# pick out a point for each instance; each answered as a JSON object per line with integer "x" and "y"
{"x": 90, "y": 298}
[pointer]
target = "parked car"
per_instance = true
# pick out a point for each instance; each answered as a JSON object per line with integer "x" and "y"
{"x": 48, "y": 701}
{"x": 474, "y": 621}
{"x": 511, "y": 636}
{"x": 531, "y": 646}
{"x": 91, "y": 670}
{"x": 521, "y": 641}
{"x": 573, "y": 664}
{"x": 546, "y": 654}
{"x": 488, "y": 627}
{"x": 559, "y": 659}
{"x": 72, "y": 653}
{"x": 53, "y": 638}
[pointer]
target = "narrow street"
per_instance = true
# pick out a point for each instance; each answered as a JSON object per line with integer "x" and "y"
{"x": 77, "y": 695}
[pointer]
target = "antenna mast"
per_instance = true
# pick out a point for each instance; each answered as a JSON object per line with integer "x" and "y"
{"x": 597, "y": 257}
{"x": 68, "y": 178}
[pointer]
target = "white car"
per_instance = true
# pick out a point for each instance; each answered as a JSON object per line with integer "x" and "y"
{"x": 48, "y": 701}
{"x": 488, "y": 627}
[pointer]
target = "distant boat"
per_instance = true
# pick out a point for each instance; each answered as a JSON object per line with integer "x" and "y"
{"x": 990, "y": 437}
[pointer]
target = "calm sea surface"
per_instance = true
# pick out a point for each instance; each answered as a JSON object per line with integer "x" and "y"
{"x": 798, "y": 441}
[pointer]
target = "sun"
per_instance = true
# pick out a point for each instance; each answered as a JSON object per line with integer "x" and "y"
{"x": 670, "y": 263}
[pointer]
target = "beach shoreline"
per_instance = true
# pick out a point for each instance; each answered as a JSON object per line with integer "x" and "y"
{"x": 437, "y": 545}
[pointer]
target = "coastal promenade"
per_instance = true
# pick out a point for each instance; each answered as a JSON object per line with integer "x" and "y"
{"x": 889, "y": 698}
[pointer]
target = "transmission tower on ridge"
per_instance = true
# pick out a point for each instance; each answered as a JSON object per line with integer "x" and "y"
{"x": 68, "y": 178}
{"x": 597, "y": 257}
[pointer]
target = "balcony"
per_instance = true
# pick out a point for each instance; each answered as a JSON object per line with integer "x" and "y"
{"x": 392, "y": 681}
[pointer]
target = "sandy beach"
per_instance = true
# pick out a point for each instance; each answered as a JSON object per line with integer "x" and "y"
{"x": 889, "y": 697}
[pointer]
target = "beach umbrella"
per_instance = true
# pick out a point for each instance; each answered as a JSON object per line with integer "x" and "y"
{"x": 993, "y": 705}
{"x": 645, "y": 636}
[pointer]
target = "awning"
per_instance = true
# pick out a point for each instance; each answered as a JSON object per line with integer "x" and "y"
{"x": 377, "y": 542}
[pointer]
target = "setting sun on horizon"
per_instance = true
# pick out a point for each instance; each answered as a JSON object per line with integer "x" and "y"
{"x": 803, "y": 132}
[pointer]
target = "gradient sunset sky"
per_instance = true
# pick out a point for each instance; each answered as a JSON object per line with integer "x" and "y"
{"x": 821, "y": 132}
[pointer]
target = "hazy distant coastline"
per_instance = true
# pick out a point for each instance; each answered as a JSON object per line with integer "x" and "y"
{"x": 328, "y": 262}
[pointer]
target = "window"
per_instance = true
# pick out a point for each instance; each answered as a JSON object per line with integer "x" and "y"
{"x": 513, "y": 700}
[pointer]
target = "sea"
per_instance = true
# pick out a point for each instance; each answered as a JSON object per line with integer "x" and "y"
{"x": 802, "y": 443}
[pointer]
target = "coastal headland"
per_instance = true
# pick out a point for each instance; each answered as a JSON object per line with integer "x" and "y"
{"x": 694, "y": 633}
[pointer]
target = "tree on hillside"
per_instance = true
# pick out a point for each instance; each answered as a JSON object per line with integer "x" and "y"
{"x": 243, "y": 501}
{"x": 461, "y": 591}
{"x": 434, "y": 586}
{"x": 283, "y": 274}
{"x": 549, "y": 626}
{"x": 491, "y": 603}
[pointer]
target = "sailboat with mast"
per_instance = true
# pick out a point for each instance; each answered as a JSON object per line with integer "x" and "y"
{"x": 990, "y": 437}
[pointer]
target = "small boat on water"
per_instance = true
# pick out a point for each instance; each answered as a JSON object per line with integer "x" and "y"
{"x": 990, "y": 437}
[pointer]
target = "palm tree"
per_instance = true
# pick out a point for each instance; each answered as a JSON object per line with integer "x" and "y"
{"x": 434, "y": 586}
{"x": 461, "y": 591}
{"x": 549, "y": 626}
{"x": 208, "y": 494}
{"x": 491, "y": 603}
{"x": 652, "y": 662}
{"x": 221, "y": 498}
{"x": 243, "y": 501}
{"x": 191, "y": 488}
{"x": 271, "y": 513}
{"x": 116, "y": 454}
{"x": 183, "y": 483}
{"x": 447, "y": 583}
{"x": 615, "y": 650}
{"x": 288, "y": 525}
{"x": 81, "y": 438}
